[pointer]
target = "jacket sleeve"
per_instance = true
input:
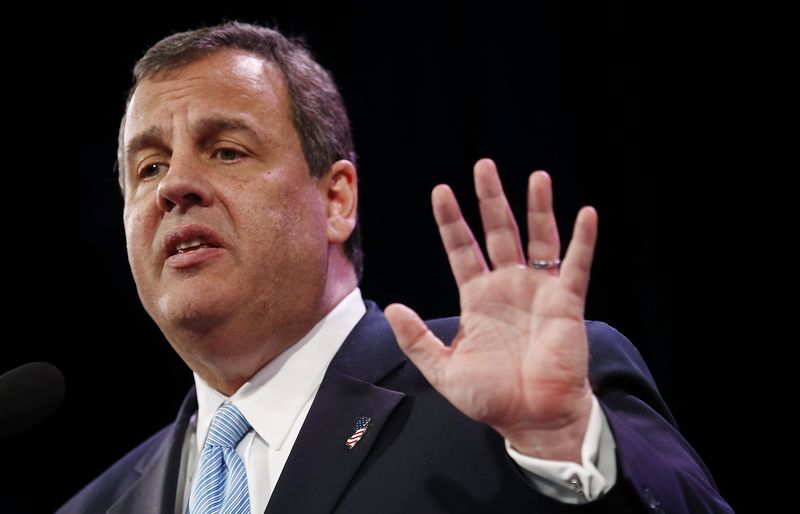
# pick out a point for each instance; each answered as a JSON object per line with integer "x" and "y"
{"x": 653, "y": 458}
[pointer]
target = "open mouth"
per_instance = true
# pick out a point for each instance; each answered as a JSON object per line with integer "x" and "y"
{"x": 193, "y": 244}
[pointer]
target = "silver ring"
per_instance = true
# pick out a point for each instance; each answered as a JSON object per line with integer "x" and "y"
{"x": 545, "y": 264}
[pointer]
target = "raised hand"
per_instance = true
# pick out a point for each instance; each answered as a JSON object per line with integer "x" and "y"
{"x": 520, "y": 360}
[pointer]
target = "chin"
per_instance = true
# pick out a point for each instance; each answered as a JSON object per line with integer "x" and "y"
{"x": 197, "y": 313}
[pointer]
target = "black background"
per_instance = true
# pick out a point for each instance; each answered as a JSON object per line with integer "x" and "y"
{"x": 663, "y": 117}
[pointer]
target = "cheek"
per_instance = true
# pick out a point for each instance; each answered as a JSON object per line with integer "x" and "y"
{"x": 290, "y": 226}
{"x": 305, "y": 219}
{"x": 284, "y": 206}
{"x": 138, "y": 237}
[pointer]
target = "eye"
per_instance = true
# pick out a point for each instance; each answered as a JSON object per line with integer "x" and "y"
{"x": 151, "y": 170}
{"x": 228, "y": 154}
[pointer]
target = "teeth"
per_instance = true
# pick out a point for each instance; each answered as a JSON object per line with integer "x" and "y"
{"x": 191, "y": 243}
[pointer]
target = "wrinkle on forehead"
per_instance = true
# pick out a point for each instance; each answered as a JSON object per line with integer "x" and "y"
{"x": 243, "y": 63}
{"x": 232, "y": 65}
{"x": 232, "y": 75}
{"x": 236, "y": 70}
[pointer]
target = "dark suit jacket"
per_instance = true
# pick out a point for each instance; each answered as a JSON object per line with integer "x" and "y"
{"x": 421, "y": 455}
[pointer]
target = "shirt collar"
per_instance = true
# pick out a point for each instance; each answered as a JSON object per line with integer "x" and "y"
{"x": 273, "y": 398}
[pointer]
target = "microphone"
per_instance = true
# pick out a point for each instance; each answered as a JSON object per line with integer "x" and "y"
{"x": 28, "y": 394}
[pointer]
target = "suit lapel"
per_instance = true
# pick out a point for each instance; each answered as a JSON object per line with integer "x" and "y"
{"x": 320, "y": 466}
{"x": 155, "y": 491}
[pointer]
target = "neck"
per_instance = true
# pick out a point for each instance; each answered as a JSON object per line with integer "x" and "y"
{"x": 228, "y": 354}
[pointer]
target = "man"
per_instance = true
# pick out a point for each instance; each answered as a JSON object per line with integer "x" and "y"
{"x": 237, "y": 169}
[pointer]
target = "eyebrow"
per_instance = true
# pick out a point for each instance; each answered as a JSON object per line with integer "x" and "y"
{"x": 206, "y": 127}
{"x": 153, "y": 136}
{"x": 217, "y": 124}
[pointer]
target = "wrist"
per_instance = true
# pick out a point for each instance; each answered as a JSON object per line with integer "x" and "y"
{"x": 561, "y": 441}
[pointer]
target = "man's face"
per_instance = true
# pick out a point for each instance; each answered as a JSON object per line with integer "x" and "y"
{"x": 224, "y": 225}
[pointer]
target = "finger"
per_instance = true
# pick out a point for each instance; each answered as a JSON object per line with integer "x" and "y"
{"x": 424, "y": 349}
{"x": 577, "y": 263}
{"x": 463, "y": 252}
{"x": 502, "y": 234}
{"x": 543, "y": 242}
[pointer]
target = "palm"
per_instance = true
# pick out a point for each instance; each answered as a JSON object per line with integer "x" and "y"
{"x": 520, "y": 359}
{"x": 511, "y": 319}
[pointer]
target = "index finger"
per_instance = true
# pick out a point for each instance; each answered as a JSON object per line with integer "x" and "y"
{"x": 463, "y": 252}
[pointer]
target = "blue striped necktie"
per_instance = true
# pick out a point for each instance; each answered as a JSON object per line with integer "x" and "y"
{"x": 220, "y": 485}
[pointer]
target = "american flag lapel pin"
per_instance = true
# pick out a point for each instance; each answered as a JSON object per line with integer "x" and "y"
{"x": 362, "y": 424}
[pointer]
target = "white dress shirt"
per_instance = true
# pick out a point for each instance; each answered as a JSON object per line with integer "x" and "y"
{"x": 277, "y": 399}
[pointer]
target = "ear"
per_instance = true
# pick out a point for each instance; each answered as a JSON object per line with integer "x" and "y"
{"x": 339, "y": 190}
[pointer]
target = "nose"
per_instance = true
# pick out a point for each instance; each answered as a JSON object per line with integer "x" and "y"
{"x": 184, "y": 185}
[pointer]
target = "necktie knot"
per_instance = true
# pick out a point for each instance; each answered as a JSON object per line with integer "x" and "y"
{"x": 228, "y": 427}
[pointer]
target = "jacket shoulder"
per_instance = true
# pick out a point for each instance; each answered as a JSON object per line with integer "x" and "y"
{"x": 100, "y": 494}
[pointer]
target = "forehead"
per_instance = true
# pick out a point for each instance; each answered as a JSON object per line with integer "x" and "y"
{"x": 228, "y": 83}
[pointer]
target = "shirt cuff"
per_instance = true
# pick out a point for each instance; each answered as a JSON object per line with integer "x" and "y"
{"x": 570, "y": 482}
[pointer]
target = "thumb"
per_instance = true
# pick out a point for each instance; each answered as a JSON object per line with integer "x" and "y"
{"x": 425, "y": 350}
